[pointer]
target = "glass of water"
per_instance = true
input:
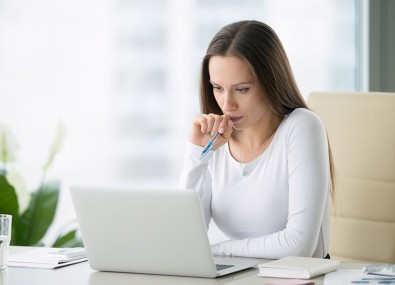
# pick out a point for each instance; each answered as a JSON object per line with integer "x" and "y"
{"x": 5, "y": 238}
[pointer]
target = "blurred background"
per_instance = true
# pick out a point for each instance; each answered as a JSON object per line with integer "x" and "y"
{"x": 122, "y": 76}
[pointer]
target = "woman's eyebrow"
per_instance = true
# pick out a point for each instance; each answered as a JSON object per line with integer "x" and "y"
{"x": 240, "y": 83}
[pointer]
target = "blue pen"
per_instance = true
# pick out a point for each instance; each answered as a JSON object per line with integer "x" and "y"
{"x": 209, "y": 146}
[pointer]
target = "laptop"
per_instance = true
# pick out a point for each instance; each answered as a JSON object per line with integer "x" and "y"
{"x": 149, "y": 231}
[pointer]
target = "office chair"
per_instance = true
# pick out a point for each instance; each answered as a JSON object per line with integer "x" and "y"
{"x": 361, "y": 130}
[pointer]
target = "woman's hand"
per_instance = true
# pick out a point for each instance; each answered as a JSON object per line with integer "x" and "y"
{"x": 206, "y": 126}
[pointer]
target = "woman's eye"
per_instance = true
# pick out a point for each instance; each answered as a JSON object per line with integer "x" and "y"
{"x": 243, "y": 90}
{"x": 217, "y": 88}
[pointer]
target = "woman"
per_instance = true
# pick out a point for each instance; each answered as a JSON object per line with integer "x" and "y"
{"x": 267, "y": 180}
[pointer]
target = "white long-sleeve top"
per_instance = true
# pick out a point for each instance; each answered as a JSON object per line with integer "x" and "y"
{"x": 282, "y": 206}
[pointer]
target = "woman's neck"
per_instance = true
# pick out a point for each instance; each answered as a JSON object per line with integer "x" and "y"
{"x": 254, "y": 137}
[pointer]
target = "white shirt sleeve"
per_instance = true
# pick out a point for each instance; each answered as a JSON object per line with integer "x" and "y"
{"x": 195, "y": 175}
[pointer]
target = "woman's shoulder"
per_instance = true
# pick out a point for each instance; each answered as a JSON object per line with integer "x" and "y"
{"x": 302, "y": 117}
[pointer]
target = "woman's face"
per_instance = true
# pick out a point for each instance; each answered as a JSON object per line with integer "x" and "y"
{"x": 236, "y": 91}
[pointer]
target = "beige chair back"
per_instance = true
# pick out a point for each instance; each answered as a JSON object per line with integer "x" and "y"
{"x": 361, "y": 130}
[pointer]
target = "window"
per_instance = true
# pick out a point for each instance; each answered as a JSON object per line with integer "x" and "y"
{"x": 123, "y": 76}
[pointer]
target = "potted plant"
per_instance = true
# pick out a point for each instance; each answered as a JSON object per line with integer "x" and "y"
{"x": 32, "y": 213}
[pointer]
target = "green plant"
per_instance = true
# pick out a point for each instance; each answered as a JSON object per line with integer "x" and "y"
{"x": 32, "y": 213}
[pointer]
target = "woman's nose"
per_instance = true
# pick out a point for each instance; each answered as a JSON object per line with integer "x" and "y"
{"x": 229, "y": 103}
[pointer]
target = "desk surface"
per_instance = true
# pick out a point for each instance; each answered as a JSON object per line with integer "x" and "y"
{"x": 82, "y": 274}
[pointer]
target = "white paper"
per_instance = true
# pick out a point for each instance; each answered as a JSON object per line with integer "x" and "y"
{"x": 344, "y": 276}
{"x": 41, "y": 258}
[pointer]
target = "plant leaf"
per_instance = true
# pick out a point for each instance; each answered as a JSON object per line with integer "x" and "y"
{"x": 57, "y": 145}
{"x": 8, "y": 200}
{"x": 8, "y": 145}
{"x": 35, "y": 221}
{"x": 16, "y": 180}
{"x": 69, "y": 239}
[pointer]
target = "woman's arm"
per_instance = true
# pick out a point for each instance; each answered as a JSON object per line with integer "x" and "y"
{"x": 195, "y": 175}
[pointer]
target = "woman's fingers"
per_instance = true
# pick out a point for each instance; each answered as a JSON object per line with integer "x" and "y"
{"x": 207, "y": 125}
{"x": 202, "y": 127}
{"x": 223, "y": 125}
{"x": 216, "y": 124}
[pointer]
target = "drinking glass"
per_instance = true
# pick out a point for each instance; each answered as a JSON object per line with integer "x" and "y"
{"x": 5, "y": 238}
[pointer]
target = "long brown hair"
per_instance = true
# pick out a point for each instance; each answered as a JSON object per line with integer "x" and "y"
{"x": 260, "y": 47}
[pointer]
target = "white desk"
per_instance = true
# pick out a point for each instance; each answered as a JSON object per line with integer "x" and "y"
{"x": 82, "y": 274}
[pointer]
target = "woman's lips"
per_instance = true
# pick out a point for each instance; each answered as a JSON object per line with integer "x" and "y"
{"x": 236, "y": 119}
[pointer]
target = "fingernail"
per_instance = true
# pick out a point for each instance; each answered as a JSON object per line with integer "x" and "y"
{"x": 203, "y": 131}
{"x": 221, "y": 130}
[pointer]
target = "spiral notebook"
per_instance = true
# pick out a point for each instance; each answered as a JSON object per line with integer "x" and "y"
{"x": 297, "y": 267}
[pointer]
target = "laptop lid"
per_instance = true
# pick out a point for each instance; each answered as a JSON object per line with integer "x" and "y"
{"x": 151, "y": 231}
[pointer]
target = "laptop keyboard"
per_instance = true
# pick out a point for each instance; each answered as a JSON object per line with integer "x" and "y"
{"x": 223, "y": 266}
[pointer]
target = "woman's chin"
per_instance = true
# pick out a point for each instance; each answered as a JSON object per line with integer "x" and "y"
{"x": 237, "y": 128}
